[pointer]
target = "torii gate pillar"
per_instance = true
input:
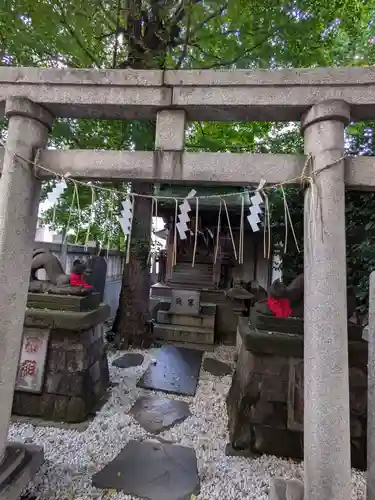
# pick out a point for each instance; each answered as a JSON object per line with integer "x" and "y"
{"x": 19, "y": 200}
{"x": 326, "y": 381}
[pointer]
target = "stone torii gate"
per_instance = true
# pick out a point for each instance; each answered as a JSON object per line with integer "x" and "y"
{"x": 323, "y": 99}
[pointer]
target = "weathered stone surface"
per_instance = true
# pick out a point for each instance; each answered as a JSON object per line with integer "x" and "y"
{"x": 170, "y": 130}
{"x": 76, "y": 410}
{"x": 76, "y": 378}
{"x": 269, "y": 342}
{"x": 224, "y": 95}
{"x": 269, "y": 413}
{"x": 277, "y": 489}
{"x": 68, "y": 320}
{"x": 327, "y": 435}
{"x": 157, "y": 414}
{"x": 279, "y": 442}
{"x": 19, "y": 201}
{"x": 65, "y": 384}
{"x": 97, "y": 266}
{"x": 63, "y": 302}
{"x": 285, "y": 489}
{"x": 152, "y": 470}
{"x": 262, "y": 396}
{"x": 32, "y": 458}
{"x": 204, "y": 321}
{"x": 176, "y": 371}
{"x": 176, "y": 333}
{"x": 185, "y": 302}
{"x": 357, "y": 378}
{"x": 226, "y": 168}
{"x": 215, "y": 367}
{"x": 294, "y": 489}
{"x": 128, "y": 360}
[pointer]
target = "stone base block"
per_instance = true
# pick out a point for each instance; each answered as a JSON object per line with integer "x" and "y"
{"x": 187, "y": 345}
{"x": 265, "y": 403}
{"x": 63, "y": 302}
{"x": 75, "y": 381}
{"x": 21, "y": 463}
{"x": 286, "y": 489}
{"x": 177, "y": 333}
{"x": 200, "y": 321}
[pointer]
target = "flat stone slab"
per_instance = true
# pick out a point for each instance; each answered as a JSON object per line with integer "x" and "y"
{"x": 157, "y": 414}
{"x": 176, "y": 371}
{"x": 217, "y": 368}
{"x": 128, "y": 360}
{"x": 152, "y": 471}
{"x": 286, "y": 489}
{"x": 21, "y": 463}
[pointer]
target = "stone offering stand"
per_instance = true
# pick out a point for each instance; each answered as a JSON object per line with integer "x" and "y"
{"x": 265, "y": 402}
{"x": 75, "y": 374}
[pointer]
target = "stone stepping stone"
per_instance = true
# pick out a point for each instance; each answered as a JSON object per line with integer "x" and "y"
{"x": 215, "y": 367}
{"x": 152, "y": 470}
{"x": 156, "y": 414}
{"x": 175, "y": 370}
{"x": 128, "y": 360}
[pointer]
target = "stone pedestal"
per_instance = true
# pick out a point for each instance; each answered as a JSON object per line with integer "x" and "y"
{"x": 327, "y": 437}
{"x": 185, "y": 320}
{"x": 76, "y": 374}
{"x": 265, "y": 402}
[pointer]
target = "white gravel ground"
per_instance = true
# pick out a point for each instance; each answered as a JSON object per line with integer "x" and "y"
{"x": 72, "y": 457}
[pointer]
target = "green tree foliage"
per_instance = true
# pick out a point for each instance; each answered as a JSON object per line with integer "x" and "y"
{"x": 196, "y": 34}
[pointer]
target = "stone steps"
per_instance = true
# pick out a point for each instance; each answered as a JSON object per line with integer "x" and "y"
{"x": 178, "y": 333}
{"x": 191, "y": 286}
{"x": 199, "y": 276}
{"x": 199, "y": 282}
{"x": 197, "y": 266}
{"x": 190, "y": 277}
{"x": 194, "y": 284}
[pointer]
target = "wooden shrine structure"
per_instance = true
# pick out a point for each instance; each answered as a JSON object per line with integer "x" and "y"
{"x": 324, "y": 100}
{"x": 217, "y": 265}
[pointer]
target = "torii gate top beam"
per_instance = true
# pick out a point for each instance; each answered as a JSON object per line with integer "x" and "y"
{"x": 262, "y": 95}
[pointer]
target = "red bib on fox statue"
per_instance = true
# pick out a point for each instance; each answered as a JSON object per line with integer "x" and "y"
{"x": 285, "y": 301}
{"x": 76, "y": 274}
{"x": 76, "y": 280}
{"x": 279, "y": 307}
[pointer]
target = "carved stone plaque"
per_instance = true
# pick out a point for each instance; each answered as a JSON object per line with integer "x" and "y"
{"x": 295, "y": 395}
{"x": 185, "y": 302}
{"x": 32, "y": 361}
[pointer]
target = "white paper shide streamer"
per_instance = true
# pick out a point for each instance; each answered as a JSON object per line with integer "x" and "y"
{"x": 126, "y": 216}
{"x": 255, "y": 209}
{"x": 183, "y": 217}
{"x": 57, "y": 191}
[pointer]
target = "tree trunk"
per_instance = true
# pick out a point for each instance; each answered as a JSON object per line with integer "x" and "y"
{"x": 147, "y": 49}
{"x": 133, "y": 315}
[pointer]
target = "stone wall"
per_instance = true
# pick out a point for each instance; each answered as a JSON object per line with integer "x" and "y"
{"x": 265, "y": 401}
{"x": 76, "y": 377}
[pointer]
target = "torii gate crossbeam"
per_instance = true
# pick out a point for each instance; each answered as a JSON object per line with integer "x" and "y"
{"x": 328, "y": 98}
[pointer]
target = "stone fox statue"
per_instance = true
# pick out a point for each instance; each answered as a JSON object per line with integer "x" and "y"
{"x": 285, "y": 301}
{"x": 44, "y": 259}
